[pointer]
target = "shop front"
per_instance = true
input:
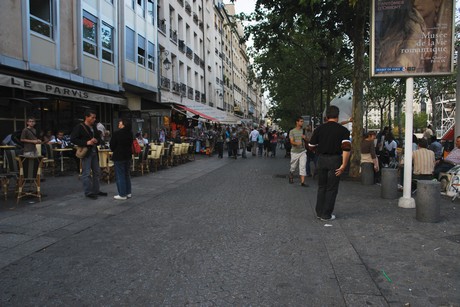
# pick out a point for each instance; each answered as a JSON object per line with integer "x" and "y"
{"x": 55, "y": 106}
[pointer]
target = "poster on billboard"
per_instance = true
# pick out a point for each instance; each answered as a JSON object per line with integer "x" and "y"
{"x": 412, "y": 38}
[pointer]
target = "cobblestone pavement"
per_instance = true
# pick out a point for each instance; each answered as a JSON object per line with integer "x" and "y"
{"x": 220, "y": 232}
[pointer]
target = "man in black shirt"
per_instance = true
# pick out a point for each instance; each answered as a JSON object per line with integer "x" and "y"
{"x": 332, "y": 143}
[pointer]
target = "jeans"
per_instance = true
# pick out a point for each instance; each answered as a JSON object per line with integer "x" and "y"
{"x": 261, "y": 148}
{"x": 88, "y": 164}
{"x": 311, "y": 157}
{"x": 254, "y": 147}
{"x": 273, "y": 148}
{"x": 244, "y": 146}
{"x": 123, "y": 178}
{"x": 328, "y": 184}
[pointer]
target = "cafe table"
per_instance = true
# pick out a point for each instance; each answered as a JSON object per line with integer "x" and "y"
{"x": 61, "y": 151}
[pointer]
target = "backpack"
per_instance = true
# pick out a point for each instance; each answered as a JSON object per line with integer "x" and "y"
{"x": 136, "y": 148}
{"x": 260, "y": 139}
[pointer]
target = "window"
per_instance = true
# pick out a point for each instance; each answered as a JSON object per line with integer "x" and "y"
{"x": 130, "y": 54}
{"x": 41, "y": 17}
{"x": 89, "y": 33}
{"x": 140, "y": 50}
{"x": 107, "y": 42}
{"x": 150, "y": 56}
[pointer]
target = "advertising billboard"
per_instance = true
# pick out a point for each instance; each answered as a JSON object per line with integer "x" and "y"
{"x": 412, "y": 38}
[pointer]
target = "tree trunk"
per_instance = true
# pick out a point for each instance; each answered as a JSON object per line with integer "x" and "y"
{"x": 358, "y": 86}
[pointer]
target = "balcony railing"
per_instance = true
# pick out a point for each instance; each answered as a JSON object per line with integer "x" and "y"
{"x": 196, "y": 59}
{"x": 190, "y": 93}
{"x": 195, "y": 17}
{"x": 197, "y": 96}
{"x": 175, "y": 87}
{"x": 202, "y": 64}
{"x": 181, "y": 46}
{"x": 183, "y": 89}
{"x": 162, "y": 26}
{"x": 173, "y": 35}
{"x": 181, "y": 2}
{"x": 165, "y": 83}
{"x": 189, "y": 53}
{"x": 188, "y": 8}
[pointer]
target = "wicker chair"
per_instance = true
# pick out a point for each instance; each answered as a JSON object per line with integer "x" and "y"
{"x": 30, "y": 169}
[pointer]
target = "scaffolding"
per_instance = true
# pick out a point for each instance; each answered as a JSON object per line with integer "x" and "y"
{"x": 445, "y": 107}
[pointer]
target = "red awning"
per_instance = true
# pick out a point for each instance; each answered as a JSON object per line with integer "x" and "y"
{"x": 198, "y": 113}
{"x": 449, "y": 135}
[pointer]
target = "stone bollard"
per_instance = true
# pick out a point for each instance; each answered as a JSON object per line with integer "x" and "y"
{"x": 389, "y": 183}
{"x": 427, "y": 201}
{"x": 367, "y": 173}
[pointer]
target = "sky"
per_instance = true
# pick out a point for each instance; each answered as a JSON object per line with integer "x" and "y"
{"x": 243, "y": 6}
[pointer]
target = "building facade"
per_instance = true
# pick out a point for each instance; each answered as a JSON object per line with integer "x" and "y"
{"x": 145, "y": 59}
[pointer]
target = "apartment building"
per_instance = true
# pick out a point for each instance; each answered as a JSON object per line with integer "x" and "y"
{"x": 57, "y": 59}
{"x": 140, "y": 58}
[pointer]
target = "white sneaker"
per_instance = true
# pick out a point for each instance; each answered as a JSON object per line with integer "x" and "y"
{"x": 129, "y": 196}
{"x": 331, "y": 219}
{"x": 120, "y": 197}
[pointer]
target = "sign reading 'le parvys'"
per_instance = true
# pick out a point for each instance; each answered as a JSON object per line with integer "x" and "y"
{"x": 36, "y": 86}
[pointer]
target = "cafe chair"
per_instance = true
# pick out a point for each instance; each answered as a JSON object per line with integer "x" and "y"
{"x": 142, "y": 161}
{"x": 49, "y": 159}
{"x": 30, "y": 169}
{"x": 176, "y": 154}
{"x": 155, "y": 155}
{"x": 184, "y": 152}
{"x": 12, "y": 170}
{"x": 106, "y": 165}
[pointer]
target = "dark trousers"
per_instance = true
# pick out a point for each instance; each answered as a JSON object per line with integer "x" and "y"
{"x": 220, "y": 149}
{"x": 123, "y": 177}
{"x": 233, "y": 149}
{"x": 328, "y": 184}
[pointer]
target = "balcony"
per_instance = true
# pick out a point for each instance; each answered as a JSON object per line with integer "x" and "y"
{"x": 217, "y": 80}
{"x": 165, "y": 83}
{"x": 220, "y": 55}
{"x": 216, "y": 51}
{"x": 203, "y": 98}
{"x": 195, "y": 17}
{"x": 175, "y": 87}
{"x": 196, "y": 59}
{"x": 201, "y": 25}
{"x": 202, "y": 64}
{"x": 173, "y": 35}
{"x": 189, "y": 53}
{"x": 211, "y": 104}
{"x": 162, "y": 26}
{"x": 181, "y": 46}
{"x": 181, "y": 2}
{"x": 190, "y": 93}
{"x": 183, "y": 89}
{"x": 197, "y": 96}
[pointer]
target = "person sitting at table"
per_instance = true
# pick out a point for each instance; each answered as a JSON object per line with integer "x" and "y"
{"x": 140, "y": 140}
{"x": 48, "y": 137}
{"x": 450, "y": 161}
{"x": 59, "y": 140}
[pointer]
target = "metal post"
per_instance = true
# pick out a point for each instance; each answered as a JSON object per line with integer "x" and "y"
{"x": 406, "y": 201}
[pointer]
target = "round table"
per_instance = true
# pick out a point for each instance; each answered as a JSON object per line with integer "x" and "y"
{"x": 61, "y": 150}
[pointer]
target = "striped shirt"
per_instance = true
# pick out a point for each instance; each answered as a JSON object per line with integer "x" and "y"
{"x": 423, "y": 161}
{"x": 454, "y": 156}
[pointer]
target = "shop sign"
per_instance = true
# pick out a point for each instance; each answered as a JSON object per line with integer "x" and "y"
{"x": 52, "y": 89}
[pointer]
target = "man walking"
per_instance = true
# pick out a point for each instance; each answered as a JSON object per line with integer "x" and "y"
{"x": 298, "y": 152}
{"x": 332, "y": 143}
{"x": 86, "y": 135}
{"x": 253, "y": 138}
{"x": 243, "y": 135}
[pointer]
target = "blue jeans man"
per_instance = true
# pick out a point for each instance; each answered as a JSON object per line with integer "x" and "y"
{"x": 90, "y": 183}
{"x": 123, "y": 177}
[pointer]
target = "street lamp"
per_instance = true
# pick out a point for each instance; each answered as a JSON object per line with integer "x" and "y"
{"x": 322, "y": 67}
{"x": 166, "y": 62}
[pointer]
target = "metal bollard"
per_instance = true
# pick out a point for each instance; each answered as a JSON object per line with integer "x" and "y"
{"x": 427, "y": 201}
{"x": 389, "y": 183}
{"x": 367, "y": 173}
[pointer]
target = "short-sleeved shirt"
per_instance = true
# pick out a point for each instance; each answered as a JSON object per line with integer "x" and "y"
{"x": 423, "y": 161}
{"x": 296, "y": 134}
{"x": 328, "y": 138}
{"x": 29, "y": 134}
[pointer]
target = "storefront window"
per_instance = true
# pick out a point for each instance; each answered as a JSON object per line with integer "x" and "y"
{"x": 41, "y": 17}
{"x": 89, "y": 33}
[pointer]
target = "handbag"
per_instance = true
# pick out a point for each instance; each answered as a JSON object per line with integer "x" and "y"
{"x": 81, "y": 152}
